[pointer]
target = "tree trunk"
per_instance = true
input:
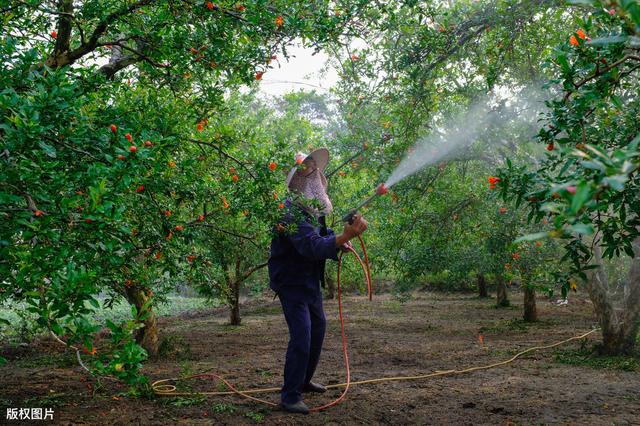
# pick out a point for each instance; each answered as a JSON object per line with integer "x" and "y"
{"x": 331, "y": 287}
{"x": 502, "y": 300}
{"x": 530, "y": 311}
{"x": 234, "y": 299}
{"x": 234, "y": 317}
{"x": 482, "y": 286}
{"x": 147, "y": 336}
{"x": 619, "y": 330}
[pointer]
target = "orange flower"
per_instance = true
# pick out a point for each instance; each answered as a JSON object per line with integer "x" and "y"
{"x": 538, "y": 243}
{"x": 272, "y": 166}
{"x": 279, "y": 21}
{"x": 281, "y": 206}
{"x": 170, "y": 236}
{"x": 199, "y": 127}
{"x": 502, "y": 210}
{"x": 481, "y": 339}
{"x": 507, "y": 266}
{"x": 201, "y": 218}
{"x": 171, "y": 163}
{"x": 275, "y": 195}
{"x": 158, "y": 255}
{"x": 581, "y": 34}
{"x": 167, "y": 213}
{"x": 38, "y": 213}
{"x": 573, "y": 41}
{"x": 493, "y": 181}
{"x": 210, "y": 5}
{"x": 235, "y": 178}
{"x": 224, "y": 203}
{"x": 179, "y": 228}
{"x": 515, "y": 255}
{"x": 259, "y": 75}
{"x": 354, "y": 57}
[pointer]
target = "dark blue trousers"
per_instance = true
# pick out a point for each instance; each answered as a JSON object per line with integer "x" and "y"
{"x": 305, "y": 317}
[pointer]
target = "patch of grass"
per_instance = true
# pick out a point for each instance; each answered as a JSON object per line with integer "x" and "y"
{"x": 510, "y": 307}
{"x": 517, "y": 324}
{"x": 224, "y": 408}
{"x": 589, "y": 358}
{"x": 256, "y": 417}
{"x": 267, "y": 310}
{"x": 180, "y": 401}
{"x": 174, "y": 347}
{"x": 264, "y": 373}
{"x": 51, "y": 400}
{"x": 58, "y": 360}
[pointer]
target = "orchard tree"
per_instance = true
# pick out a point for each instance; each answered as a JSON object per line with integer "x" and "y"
{"x": 105, "y": 108}
{"x": 587, "y": 185}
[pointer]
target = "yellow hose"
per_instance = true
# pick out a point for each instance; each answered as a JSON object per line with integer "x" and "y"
{"x": 161, "y": 388}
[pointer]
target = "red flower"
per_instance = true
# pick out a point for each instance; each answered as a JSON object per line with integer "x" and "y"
{"x": 612, "y": 12}
{"x": 571, "y": 189}
{"x": 259, "y": 75}
{"x": 190, "y": 259}
{"x": 201, "y": 218}
{"x": 279, "y": 21}
{"x": 281, "y": 206}
{"x": 167, "y": 213}
{"x": 581, "y": 34}
{"x": 54, "y": 34}
{"x": 573, "y": 41}
{"x": 148, "y": 143}
{"x": 129, "y": 137}
{"x": 113, "y": 128}
{"x": 199, "y": 127}
{"x": 493, "y": 181}
{"x": 140, "y": 189}
{"x": 133, "y": 149}
{"x": 550, "y": 147}
{"x": 502, "y": 210}
{"x": 272, "y": 166}
{"x": 158, "y": 255}
{"x": 507, "y": 266}
{"x": 210, "y": 5}
{"x": 179, "y": 228}
{"x": 121, "y": 157}
{"x": 515, "y": 255}
{"x": 38, "y": 213}
{"x": 354, "y": 57}
{"x": 235, "y": 178}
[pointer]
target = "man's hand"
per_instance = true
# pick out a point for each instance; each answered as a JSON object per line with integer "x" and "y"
{"x": 346, "y": 247}
{"x": 352, "y": 230}
{"x": 356, "y": 228}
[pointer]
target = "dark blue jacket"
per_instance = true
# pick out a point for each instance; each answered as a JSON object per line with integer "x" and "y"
{"x": 298, "y": 255}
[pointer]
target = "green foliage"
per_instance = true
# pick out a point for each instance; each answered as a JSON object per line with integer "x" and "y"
{"x": 588, "y": 358}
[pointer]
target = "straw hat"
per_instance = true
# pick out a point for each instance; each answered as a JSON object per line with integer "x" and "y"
{"x": 320, "y": 156}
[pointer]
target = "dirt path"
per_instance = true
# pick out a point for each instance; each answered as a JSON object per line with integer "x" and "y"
{"x": 386, "y": 338}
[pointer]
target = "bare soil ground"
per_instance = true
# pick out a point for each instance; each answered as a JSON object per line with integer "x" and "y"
{"x": 433, "y": 331}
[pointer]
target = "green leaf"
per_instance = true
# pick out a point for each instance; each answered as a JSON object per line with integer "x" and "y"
{"x": 603, "y": 41}
{"x": 616, "y": 182}
{"x": 583, "y": 193}
{"x": 48, "y": 149}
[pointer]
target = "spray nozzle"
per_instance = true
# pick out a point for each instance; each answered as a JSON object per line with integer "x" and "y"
{"x": 380, "y": 190}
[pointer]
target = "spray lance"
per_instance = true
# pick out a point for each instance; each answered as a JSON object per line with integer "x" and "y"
{"x": 380, "y": 190}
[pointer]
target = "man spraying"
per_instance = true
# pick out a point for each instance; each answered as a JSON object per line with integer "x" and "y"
{"x": 296, "y": 267}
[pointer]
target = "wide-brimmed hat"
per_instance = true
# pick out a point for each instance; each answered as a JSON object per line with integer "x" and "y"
{"x": 320, "y": 156}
